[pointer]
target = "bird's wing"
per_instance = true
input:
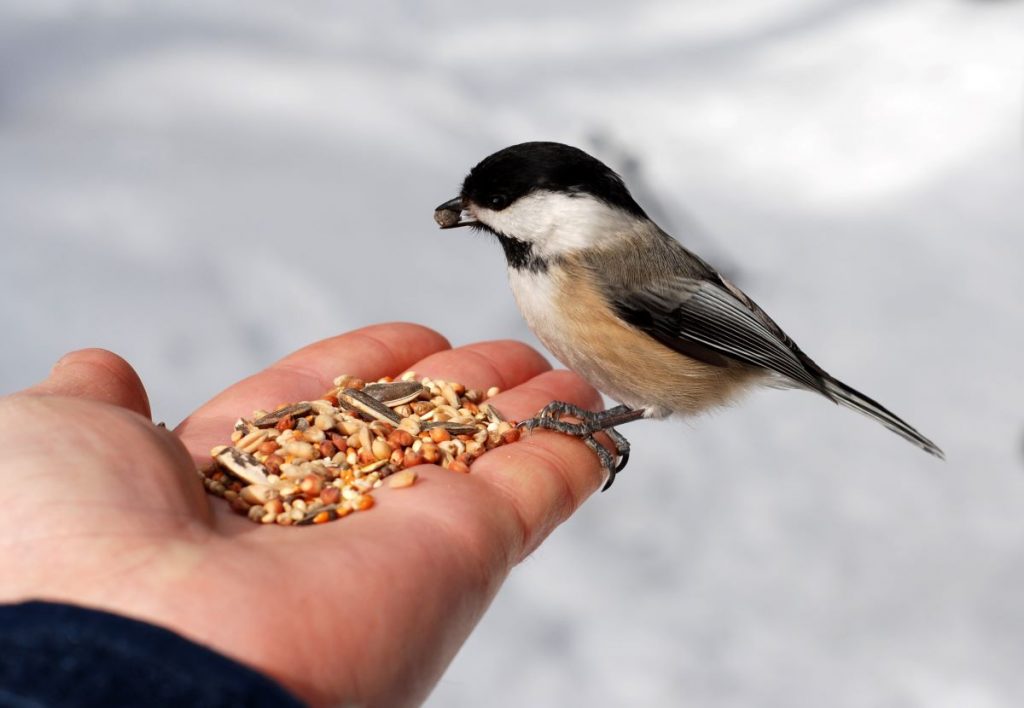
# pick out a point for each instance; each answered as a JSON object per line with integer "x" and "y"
{"x": 711, "y": 319}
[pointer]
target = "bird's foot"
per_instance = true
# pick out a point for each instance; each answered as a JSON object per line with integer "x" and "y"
{"x": 550, "y": 418}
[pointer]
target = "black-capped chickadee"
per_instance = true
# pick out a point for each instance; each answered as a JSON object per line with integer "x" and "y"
{"x": 623, "y": 304}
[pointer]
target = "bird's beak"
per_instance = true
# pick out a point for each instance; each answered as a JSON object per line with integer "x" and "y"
{"x": 451, "y": 214}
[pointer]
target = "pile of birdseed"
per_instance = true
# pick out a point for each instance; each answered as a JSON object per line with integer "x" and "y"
{"x": 316, "y": 461}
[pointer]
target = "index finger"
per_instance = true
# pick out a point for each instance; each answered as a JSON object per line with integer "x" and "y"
{"x": 542, "y": 479}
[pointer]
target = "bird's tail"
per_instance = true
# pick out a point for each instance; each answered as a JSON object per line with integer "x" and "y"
{"x": 841, "y": 393}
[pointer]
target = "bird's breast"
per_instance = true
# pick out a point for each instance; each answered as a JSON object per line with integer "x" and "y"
{"x": 565, "y": 307}
{"x": 536, "y": 294}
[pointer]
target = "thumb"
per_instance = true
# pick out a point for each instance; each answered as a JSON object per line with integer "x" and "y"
{"x": 98, "y": 375}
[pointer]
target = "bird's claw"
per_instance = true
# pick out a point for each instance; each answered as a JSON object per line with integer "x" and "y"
{"x": 549, "y": 418}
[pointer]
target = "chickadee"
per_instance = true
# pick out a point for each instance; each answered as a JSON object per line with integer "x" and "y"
{"x": 623, "y": 304}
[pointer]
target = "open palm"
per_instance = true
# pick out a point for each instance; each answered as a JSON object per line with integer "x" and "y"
{"x": 370, "y": 609}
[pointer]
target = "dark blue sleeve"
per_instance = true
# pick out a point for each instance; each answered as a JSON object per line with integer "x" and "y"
{"x": 63, "y": 655}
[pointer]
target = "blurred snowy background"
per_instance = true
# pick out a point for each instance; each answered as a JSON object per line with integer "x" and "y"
{"x": 172, "y": 172}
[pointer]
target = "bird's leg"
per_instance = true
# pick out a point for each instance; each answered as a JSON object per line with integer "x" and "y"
{"x": 550, "y": 418}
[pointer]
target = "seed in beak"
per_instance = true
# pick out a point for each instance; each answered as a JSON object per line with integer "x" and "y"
{"x": 446, "y": 218}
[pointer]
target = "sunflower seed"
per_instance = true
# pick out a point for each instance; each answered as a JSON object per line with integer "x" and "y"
{"x": 273, "y": 418}
{"x": 452, "y": 428}
{"x": 493, "y": 414}
{"x": 367, "y": 405}
{"x": 395, "y": 393}
{"x": 241, "y": 464}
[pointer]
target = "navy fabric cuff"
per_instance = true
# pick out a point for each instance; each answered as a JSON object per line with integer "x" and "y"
{"x": 62, "y": 655}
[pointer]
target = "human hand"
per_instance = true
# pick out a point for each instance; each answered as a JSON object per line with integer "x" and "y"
{"x": 108, "y": 512}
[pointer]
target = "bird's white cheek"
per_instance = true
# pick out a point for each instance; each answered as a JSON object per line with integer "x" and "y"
{"x": 559, "y": 223}
{"x": 520, "y": 221}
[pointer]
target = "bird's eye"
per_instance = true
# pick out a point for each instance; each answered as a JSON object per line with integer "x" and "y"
{"x": 498, "y": 201}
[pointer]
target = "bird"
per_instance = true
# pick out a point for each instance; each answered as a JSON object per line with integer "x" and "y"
{"x": 625, "y": 305}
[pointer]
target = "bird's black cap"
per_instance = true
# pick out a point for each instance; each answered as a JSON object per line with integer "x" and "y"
{"x": 514, "y": 172}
